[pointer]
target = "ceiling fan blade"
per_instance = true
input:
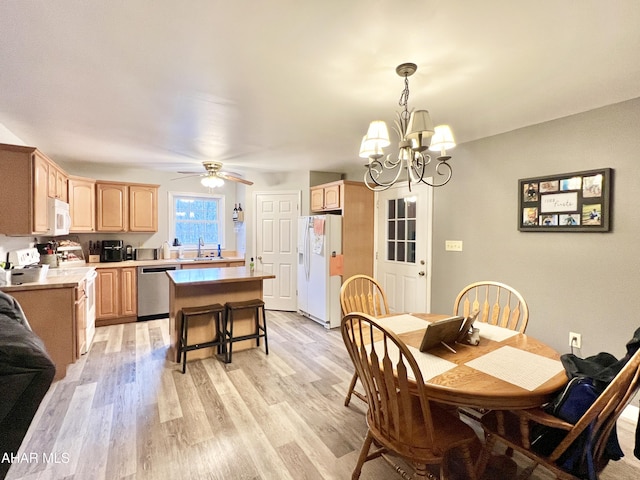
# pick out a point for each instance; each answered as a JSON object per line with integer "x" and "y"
{"x": 191, "y": 174}
{"x": 233, "y": 178}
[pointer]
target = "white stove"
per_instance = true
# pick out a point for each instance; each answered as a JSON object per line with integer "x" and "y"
{"x": 23, "y": 257}
{"x": 25, "y": 266}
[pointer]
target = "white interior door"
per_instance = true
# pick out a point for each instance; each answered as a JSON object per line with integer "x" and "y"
{"x": 276, "y": 237}
{"x": 403, "y": 246}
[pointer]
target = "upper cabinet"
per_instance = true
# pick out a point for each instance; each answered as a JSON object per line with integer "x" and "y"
{"x": 112, "y": 207}
{"x": 82, "y": 204}
{"x": 335, "y": 196}
{"x": 355, "y": 202}
{"x": 58, "y": 183}
{"x": 124, "y": 207}
{"x": 30, "y": 178}
{"x": 327, "y": 197}
{"x": 25, "y": 190}
{"x": 143, "y": 208}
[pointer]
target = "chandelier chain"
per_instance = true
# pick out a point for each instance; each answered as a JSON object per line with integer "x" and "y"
{"x": 404, "y": 98}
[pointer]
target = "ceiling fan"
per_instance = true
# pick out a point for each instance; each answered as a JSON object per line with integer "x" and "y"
{"x": 214, "y": 176}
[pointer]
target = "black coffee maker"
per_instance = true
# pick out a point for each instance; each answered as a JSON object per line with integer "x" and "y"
{"x": 112, "y": 251}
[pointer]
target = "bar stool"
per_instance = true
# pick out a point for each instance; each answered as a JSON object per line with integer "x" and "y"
{"x": 219, "y": 340}
{"x": 261, "y": 330}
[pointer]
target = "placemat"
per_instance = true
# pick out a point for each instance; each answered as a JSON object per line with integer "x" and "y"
{"x": 402, "y": 323}
{"x": 493, "y": 332}
{"x": 523, "y": 369}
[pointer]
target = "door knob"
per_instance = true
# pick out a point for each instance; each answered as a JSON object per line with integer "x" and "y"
{"x": 421, "y": 273}
{"x": 260, "y": 258}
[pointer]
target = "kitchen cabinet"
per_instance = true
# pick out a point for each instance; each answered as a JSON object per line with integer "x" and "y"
{"x": 355, "y": 202}
{"x": 25, "y": 188}
{"x": 326, "y": 197}
{"x": 333, "y": 197}
{"x": 82, "y": 204}
{"x": 57, "y": 183}
{"x": 116, "y": 293}
{"x": 112, "y": 207}
{"x": 52, "y": 315}
{"x": 124, "y": 207}
{"x": 143, "y": 208}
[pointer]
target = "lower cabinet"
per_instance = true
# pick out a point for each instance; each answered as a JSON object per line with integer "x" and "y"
{"x": 117, "y": 298}
{"x": 51, "y": 313}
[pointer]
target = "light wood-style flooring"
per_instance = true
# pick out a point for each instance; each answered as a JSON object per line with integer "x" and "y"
{"x": 125, "y": 412}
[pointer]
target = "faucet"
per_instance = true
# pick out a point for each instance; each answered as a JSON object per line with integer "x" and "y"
{"x": 200, "y": 244}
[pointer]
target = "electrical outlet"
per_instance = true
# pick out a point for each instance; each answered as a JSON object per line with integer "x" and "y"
{"x": 453, "y": 245}
{"x": 575, "y": 340}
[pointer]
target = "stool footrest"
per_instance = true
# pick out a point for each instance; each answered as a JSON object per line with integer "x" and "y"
{"x": 197, "y": 346}
{"x": 251, "y": 336}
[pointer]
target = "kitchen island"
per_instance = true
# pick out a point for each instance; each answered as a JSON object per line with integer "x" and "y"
{"x": 205, "y": 286}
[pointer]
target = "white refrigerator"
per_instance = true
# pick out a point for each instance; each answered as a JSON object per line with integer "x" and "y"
{"x": 319, "y": 238}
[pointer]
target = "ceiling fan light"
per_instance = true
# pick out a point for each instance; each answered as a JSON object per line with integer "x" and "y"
{"x": 442, "y": 139}
{"x": 211, "y": 181}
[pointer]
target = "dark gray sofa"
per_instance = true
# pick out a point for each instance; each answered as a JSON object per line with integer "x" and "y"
{"x": 26, "y": 373}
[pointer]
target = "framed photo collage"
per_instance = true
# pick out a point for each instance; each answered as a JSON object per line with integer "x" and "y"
{"x": 569, "y": 202}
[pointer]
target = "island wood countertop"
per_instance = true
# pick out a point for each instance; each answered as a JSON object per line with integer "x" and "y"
{"x": 201, "y": 276}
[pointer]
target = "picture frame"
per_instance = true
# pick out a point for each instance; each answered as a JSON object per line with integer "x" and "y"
{"x": 567, "y": 202}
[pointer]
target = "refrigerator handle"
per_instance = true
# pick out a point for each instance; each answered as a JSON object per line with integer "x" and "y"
{"x": 307, "y": 251}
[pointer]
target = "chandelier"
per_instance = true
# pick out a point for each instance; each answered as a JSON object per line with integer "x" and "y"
{"x": 417, "y": 134}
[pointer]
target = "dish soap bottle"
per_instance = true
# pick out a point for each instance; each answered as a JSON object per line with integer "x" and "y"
{"x": 252, "y": 266}
{"x": 219, "y": 252}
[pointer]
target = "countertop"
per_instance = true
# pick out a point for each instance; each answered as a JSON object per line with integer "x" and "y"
{"x": 65, "y": 277}
{"x": 56, "y": 278}
{"x": 199, "y": 276}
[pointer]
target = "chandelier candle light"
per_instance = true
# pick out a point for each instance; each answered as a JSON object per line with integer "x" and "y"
{"x": 417, "y": 134}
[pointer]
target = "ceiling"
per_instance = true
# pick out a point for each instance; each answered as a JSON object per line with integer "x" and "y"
{"x": 277, "y": 85}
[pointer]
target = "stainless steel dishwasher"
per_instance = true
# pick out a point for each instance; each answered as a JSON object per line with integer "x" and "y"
{"x": 153, "y": 291}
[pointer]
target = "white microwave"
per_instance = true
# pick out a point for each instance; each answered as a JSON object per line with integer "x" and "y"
{"x": 59, "y": 217}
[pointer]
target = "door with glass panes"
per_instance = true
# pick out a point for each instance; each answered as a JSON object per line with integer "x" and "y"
{"x": 403, "y": 250}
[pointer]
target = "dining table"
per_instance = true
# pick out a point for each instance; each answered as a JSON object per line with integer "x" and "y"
{"x": 506, "y": 370}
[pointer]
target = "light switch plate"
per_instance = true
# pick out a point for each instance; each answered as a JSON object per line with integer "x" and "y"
{"x": 453, "y": 245}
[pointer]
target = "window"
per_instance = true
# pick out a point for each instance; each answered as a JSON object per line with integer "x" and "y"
{"x": 193, "y": 216}
{"x": 401, "y": 230}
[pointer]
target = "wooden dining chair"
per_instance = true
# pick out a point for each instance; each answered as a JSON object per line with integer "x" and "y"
{"x": 361, "y": 293}
{"x": 515, "y": 428}
{"x": 497, "y": 303}
{"x": 400, "y": 418}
